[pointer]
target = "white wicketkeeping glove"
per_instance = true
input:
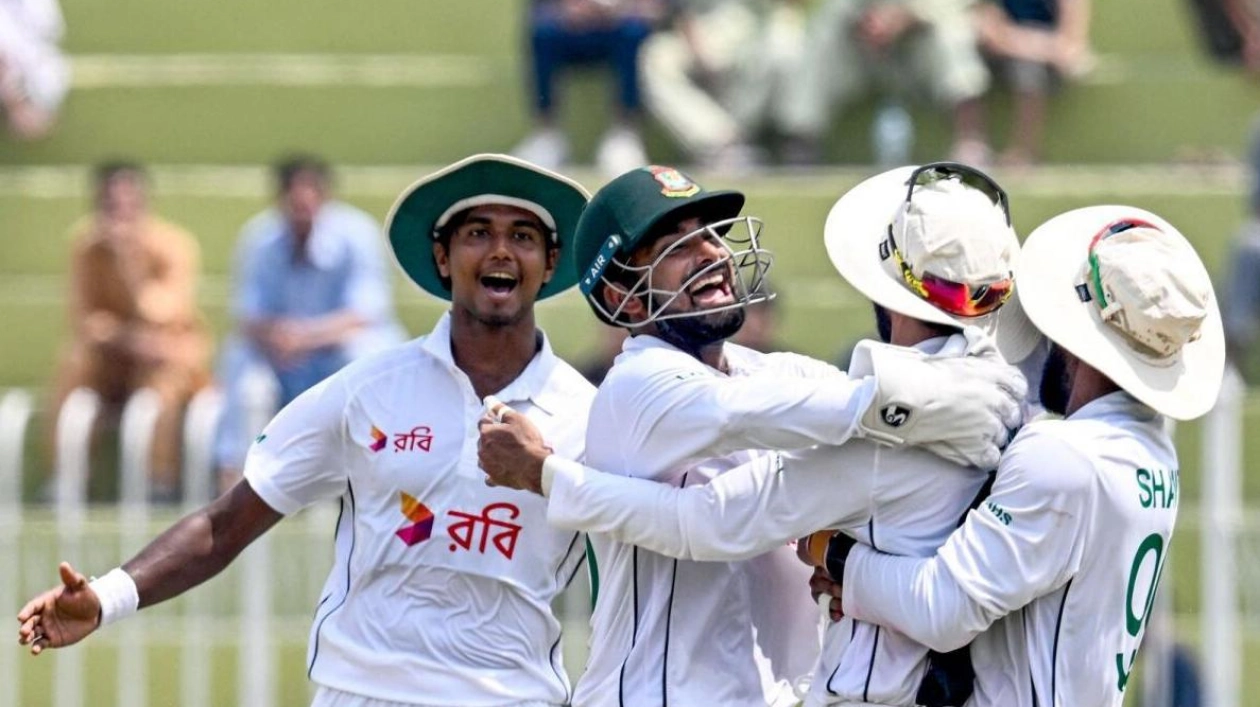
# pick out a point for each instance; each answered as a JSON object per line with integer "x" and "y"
{"x": 962, "y": 403}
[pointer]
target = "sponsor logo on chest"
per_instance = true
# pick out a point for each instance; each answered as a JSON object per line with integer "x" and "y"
{"x": 417, "y": 439}
{"x": 489, "y": 530}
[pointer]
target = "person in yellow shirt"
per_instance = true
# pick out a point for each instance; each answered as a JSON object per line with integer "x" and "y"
{"x": 133, "y": 313}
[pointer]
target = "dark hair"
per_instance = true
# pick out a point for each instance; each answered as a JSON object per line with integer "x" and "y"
{"x": 289, "y": 168}
{"x": 105, "y": 171}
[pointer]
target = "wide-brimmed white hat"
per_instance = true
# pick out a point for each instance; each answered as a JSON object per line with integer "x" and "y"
{"x": 1124, "y": 291}
{"x": 949, "y": 228}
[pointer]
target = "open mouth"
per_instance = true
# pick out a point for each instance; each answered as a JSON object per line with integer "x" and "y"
{"x": 499, "y": 283}
{"x": 712, "y": 290}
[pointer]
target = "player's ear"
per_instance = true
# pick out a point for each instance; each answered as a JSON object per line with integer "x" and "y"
{"x": 615, "y": 295}
{"x": 553, "y": 254}
{"x": 442, "y": 259}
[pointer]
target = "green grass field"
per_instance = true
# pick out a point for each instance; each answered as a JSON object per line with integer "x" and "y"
{"x": 393, "y": 89}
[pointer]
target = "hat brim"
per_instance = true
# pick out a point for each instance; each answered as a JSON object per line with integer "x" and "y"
{"x": 1054, "y": 256}
{"x": 855, "y": 228}
{"x": 411, "y": 221}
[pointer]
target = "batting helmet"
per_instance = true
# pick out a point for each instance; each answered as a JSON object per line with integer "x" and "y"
{"x": 631, "y": 211}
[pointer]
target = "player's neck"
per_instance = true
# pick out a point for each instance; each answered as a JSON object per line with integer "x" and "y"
{"x": 912, "y": 332}
{"x": 713, "y": 356}
{"x": 1088, "y": 385}
{"x": 492, "y": 356}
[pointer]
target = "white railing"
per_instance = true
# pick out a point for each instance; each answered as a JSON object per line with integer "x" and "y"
{"x": 200, "y": 422}
{"x": 1222, "y": 519}
{"x": 256, "y": 661}
{"x": 75, "y": 425}
{"x": 135, "y": 437}
{"x": 251, "y": 624}
{"x": 15, "y": 415}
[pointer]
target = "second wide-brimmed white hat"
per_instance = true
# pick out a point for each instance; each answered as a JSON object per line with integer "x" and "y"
{"x": 1123, "y": 290}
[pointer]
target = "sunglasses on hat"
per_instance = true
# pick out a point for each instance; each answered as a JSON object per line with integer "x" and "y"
{"x": 972, "y": 177}
{"x": 957, "y": 298}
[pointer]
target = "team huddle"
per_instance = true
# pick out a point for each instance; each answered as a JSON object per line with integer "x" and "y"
{"x": 977, "y": 511}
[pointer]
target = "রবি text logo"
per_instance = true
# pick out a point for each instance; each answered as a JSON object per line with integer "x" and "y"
{"x": 498, "y": 532}
{"x": 470, "y": 532}
{"x": 419, "y": 438}
{"x": 673, "y": 183}
{"x": 421, "y": 520}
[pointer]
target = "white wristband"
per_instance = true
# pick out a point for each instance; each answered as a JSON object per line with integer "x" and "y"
{"x": 118, "y": 595}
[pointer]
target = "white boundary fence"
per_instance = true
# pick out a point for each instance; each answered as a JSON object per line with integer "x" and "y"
{"x": 244, "y": 612}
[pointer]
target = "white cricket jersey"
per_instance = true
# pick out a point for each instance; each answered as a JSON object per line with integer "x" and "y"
{"x": 904, "y": 501}
{"x": 676, "y": 632}
{"x": 441, "y": 587}
{"x": 1065, "y": 557}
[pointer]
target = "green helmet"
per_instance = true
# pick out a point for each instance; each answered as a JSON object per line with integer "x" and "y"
{"x": 631, "y": 210}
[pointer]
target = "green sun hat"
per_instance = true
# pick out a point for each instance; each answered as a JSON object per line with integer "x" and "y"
{"x": 426, "y": 206}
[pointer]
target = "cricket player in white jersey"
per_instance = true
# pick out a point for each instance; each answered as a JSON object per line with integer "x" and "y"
{"x": 1060, "y": 566}
{"x": 933, "y": 248}
{"x": 441, "y": 588}
{"x": 675, "y": 265}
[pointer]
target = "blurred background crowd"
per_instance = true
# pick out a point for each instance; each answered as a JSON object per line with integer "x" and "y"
{"x": 138, "y": 111}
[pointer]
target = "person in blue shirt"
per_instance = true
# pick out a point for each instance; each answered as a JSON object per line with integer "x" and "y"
{"x": 1242, "y": 295}
{"x": 311, "y": 294}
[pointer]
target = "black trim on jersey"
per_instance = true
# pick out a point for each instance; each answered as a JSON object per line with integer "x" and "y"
{"x": 592, "y": 569}
{"x": 634, "y": 635}
{"x": 568, "y": 690}
{"x": 1054, "y": 652}
{"x": 349, "y": 556}
{"x": 565, "y": 559}
{"x": 852, "y": 635}
{"x": 985, "y": 491}
{"x": 950, "y": 677}
{"x": 669, "y": 620}
{"x": 1032, "y": 684}
{"x": 870, "y": 669}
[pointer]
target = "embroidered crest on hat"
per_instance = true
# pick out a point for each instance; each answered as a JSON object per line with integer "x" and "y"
{"x": 673, "y": 183}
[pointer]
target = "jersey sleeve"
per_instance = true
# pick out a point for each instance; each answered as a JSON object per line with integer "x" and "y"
{"x": 1021, "y": 543}
{"x": 740, "y": 514}
{"x": 681, "y": 414}
{"x": 299, "y": 458}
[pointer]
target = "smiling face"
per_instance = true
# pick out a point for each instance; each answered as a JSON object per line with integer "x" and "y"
{"x": 496, "y": 259}
{"x": 691, "y": 273}
{"x": 689, "y": 264}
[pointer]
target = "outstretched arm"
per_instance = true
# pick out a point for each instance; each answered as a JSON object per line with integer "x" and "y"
{"x": 740, "y": 514}
{"x": 190, "y": 552}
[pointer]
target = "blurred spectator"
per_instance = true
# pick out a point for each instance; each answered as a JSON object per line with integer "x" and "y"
{"x": 133, "y": 313}
{"x": 1245, "y": 16}
{"x": 34, "y": 76}
{"x": 1230, "y": 30}
{"x": 761, "y": 325}
{"x": 1036, "y": 43}
{"x": 567, "y": 33}
{"x": 311, "y": 294}
{"x": 715, "y": 78}
{"x": 596, "y": 367}
{"x": 906, "y": 48}
{"x": 1242, "y": 296}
